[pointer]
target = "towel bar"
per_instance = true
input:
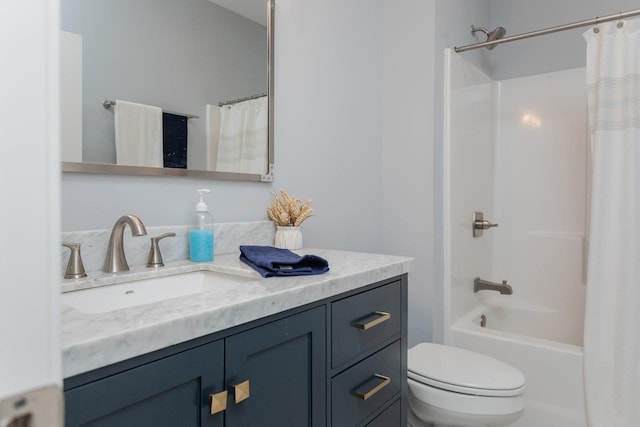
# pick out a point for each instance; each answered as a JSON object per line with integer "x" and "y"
{"x": 107, "y": 104}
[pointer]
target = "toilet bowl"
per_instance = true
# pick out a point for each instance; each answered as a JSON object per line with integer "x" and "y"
{"x": 449, "y": 386}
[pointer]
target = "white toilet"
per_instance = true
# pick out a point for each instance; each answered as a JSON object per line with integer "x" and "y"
{"x": 449, "y": 386}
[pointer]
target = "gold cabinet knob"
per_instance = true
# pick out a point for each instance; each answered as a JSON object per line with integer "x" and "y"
{"x": 218, "y": 402}
{"x": 241, "y": 391}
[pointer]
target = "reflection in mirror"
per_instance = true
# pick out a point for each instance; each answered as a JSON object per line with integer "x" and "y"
{"x": 167, "y": 87}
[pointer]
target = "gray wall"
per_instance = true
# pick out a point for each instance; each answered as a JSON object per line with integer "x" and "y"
{"x": 179, "y": 56}
{"x": 328, "y": 134}
{"x": 407, "y": 153}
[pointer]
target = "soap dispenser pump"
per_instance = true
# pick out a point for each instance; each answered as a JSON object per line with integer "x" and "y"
{"x": 201, "y": 232}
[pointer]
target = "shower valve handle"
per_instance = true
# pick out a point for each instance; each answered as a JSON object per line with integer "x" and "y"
{"x": 479, "y": 224}
{"x": 483, "y": 225}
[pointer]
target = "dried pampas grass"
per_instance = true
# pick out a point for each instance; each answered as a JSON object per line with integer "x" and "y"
{"x": 289, "y": 211}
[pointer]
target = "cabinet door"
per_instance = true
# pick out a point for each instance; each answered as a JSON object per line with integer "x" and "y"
{"x": 170, "y": 392}
{"x": 283, "y": 363}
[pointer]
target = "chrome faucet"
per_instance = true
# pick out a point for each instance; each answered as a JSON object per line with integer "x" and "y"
{"x": 116, "y": 260}
{"x": 481, "y": 285}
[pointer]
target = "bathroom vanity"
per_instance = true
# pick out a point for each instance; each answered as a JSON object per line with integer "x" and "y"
{"x": 325, "y": 350}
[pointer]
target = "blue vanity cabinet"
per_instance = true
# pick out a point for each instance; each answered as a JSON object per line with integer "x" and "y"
{"x": 336, "y": 362}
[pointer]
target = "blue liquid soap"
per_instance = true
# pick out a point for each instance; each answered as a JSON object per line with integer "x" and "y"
{"x": 201, "y": 245}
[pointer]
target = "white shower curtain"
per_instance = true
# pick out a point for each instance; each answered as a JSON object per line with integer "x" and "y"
{"x": 237, "y": 137}
{"x": 612, "y": 319}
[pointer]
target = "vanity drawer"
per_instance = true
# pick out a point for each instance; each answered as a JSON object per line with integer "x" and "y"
{"x": 365, "y": 387}
{"x": 361, "y": 322}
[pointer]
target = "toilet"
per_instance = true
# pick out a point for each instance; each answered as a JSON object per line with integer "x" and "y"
{"x": 453, "y": 387}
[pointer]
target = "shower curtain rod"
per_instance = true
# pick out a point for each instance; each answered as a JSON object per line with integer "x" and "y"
{"x": 593, "y": 21}
{"x": 237, "y": 100}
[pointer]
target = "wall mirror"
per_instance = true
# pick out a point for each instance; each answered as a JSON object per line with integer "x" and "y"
{"x": 166, "y": 87}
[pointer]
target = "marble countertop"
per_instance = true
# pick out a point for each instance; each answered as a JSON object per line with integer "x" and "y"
{"x": 90, "y": 341}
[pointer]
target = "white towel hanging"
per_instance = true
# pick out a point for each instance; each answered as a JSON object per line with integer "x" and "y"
{"x": 138, "y": 131}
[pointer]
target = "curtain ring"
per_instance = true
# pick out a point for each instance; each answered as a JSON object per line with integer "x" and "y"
{"x": 620, "y": 22}
{"x": 595, "y": 28}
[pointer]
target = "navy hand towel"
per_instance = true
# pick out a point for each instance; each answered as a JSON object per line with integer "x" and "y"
{"x": 270, "y": 261}
{"x": 174, "y": 140}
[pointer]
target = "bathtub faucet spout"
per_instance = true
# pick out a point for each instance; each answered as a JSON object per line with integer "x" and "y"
{"x": 481, "y": 285}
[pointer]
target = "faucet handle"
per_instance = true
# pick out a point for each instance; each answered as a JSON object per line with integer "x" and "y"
{"x": 155, "y": 257}
{"x": 75, "y": 268}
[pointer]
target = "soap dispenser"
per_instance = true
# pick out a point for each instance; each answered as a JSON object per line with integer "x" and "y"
{"x": 201, "y": 232}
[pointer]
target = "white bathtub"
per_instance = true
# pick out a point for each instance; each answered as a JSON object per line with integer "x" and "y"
{"x": 543, "y": 343}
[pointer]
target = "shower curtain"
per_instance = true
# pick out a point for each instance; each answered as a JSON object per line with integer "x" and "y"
{"x": 237, "y": 137}
{"x": 612, "y": 318}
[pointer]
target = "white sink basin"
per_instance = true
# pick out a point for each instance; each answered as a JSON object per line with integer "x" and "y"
{"x": 113, "y": 297}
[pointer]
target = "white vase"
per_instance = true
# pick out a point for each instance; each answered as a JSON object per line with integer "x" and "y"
{"x": 288, "y": 237}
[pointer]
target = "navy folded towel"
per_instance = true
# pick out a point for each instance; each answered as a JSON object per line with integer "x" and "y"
{"x": 270, "y": 261}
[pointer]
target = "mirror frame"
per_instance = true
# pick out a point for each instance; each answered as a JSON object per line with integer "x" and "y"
{"x": 113, "y": 169}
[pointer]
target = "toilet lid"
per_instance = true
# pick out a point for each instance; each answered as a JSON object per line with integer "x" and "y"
{"x": 463, "y": 371}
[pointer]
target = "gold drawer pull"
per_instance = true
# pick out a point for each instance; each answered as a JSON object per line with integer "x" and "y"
{"x": 382, "y": 384}
{"x": 218, "y": 402}
{"x": 383, "y": 316}
{"x": 241, "y": 391}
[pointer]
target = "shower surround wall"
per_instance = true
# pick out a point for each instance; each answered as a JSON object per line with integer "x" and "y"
{"x": 540, "y": 190}
{"x": 516, "y": 150}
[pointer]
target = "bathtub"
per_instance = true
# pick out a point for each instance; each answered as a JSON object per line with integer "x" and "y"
{"x": 544, "y": 344}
